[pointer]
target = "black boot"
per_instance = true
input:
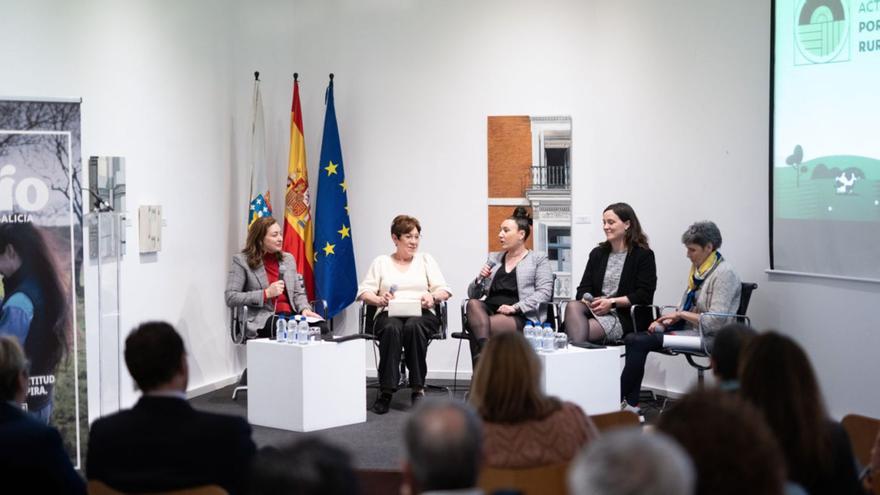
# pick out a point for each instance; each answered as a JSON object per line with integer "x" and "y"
{"x": 476, "y": 349}
{"x": 383, "y": 403}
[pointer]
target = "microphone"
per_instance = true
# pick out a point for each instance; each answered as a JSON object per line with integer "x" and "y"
{"x": 281, "y": 278}
{"x": 275, "y": 304}
{"x": 491, "y": 264}
{"x": 392, "y": 289}
{"x": 587, "y": 297}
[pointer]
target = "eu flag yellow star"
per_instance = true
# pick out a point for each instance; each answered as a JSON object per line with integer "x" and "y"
{"x": 345, "y": 231}
{"x": 344, "y": 186}
{"x": 331, "y": 169}
{"x": 328, "y": 249}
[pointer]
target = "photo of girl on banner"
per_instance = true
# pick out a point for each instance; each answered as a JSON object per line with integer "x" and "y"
{"x": 35, "y": 309}
{"x": 41, "y": 294}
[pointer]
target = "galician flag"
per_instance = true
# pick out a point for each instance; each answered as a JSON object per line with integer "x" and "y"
{"x": 334, "y": 269}
{"x": 259, "y": 204}
{"x": 297, "y": 216}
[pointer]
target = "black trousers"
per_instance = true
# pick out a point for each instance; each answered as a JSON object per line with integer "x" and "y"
{"x": 638, "y": 345}
{"x": 412, "y": 335}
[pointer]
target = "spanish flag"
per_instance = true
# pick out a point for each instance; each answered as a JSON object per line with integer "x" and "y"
{"x": 297, "y": 216}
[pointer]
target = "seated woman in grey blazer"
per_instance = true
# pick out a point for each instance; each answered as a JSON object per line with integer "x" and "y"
{"x": 511, "y": 286}
{"x": 265, "y": 279}
{"x": 713, "y": 287}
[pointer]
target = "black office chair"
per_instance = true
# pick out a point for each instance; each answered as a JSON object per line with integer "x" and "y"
{"x": 239, "y": 333}
{"x": 705, "y": 342}
{"x": 366, "y": 315}
{"x": 466, "y": 334}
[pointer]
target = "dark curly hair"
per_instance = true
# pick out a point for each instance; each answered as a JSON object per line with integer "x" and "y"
{"x": 523, "y": 220}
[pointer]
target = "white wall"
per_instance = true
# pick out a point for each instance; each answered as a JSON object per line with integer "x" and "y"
{"x": 669, "y": 104}
{"x": 154, "y": 79}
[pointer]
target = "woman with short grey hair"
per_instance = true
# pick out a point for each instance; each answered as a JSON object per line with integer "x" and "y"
{"x": 713, "y": 287}
{"x": 701, "y": 234}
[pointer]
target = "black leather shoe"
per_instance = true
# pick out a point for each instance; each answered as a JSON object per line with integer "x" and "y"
{"x": 382, "y": 404}
{"x": 416, "y": 397}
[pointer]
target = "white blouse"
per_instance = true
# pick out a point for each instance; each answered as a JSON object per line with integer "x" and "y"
{"x": 422, "y": 277}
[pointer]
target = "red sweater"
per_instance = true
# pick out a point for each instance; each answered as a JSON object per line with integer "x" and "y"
{"x": 270, "y": 262}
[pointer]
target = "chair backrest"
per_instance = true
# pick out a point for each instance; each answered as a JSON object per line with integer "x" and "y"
{"x": 367, "y": 314}
{"x": 238, "y": 324}
{"x": 379, "y": 481}
{"x": 745, "y": 297}
{"x": 543, "y": 480}
{"x": 95, "y": 487}
{"x": 616, "y": 419}
{"x": 862, "y": 431}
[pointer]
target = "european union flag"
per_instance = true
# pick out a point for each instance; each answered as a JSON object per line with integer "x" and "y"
{"x": 335, "y": 274}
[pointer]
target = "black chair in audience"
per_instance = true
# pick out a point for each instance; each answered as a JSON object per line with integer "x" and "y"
{"x": 704, "y": 350}
{"x": 466, "y": 334}
{"x": 239, "y": 333}
{"x": 366, "y": 314}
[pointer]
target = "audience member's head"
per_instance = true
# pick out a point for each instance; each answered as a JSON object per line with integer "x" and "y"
{"x": 156, "y": 358}
{"x": 308, "y": 467}
{"x": 726, "y": 349}
{"x": 506, "y": 386}
{"x": 13, "y": 370}
{"x": 629, "y": 462}
{"x": 731, "y": 446}
{"x": 777, "y": 377}
{"x": 443, "y": 446}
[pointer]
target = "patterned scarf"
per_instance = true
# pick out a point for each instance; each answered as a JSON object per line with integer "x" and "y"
{"x": 699, "y": 275}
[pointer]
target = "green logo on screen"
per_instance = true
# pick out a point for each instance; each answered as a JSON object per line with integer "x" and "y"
{"x": 821, "y": 32}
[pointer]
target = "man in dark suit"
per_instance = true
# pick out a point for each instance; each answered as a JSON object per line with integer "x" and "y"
{"x": 32, "y": 458}
{"x": 163, "y": 443}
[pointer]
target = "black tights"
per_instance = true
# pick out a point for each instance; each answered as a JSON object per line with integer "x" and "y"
{"x": 580, "y": 324}
{"x": 484, "y": 322}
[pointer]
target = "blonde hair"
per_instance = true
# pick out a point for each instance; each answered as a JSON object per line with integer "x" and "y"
{"x": 12, "y": 363}
{"x": 506, "y": 385}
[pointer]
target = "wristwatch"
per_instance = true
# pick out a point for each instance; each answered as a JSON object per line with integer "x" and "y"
{"x": 613, "y": 304}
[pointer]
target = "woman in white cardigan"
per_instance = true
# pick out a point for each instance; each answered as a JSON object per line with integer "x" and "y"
{"x": 403, "y": 275}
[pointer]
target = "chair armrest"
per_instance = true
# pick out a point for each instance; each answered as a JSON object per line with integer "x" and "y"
{"x": 550, "y": 304}
{"x": 745, "y": 319}
{"x": 319, "y": 306}
{"x": 656, "y": 311}
{"x": 441, "y": 308}
{"x": 362, "y": 317}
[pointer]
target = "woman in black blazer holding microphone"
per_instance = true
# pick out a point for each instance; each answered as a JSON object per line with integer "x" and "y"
{"x": 620, "y": 272}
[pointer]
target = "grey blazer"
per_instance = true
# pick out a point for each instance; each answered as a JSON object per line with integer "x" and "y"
{"x": 534, "y": 282}
{"x": 244, "y": 287}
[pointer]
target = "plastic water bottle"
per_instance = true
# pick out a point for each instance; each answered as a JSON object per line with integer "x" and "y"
{"x": 280, "y": 330}
{"x": 548, "y": 338}
{"x": 290, "y": 338}
{"x": 529, "y": 333}
{"x": 303, "y": 336}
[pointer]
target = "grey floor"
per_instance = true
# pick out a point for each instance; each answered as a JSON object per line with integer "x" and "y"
{"x": 376, "y": 444}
